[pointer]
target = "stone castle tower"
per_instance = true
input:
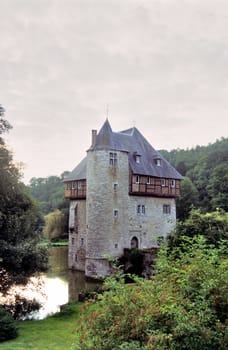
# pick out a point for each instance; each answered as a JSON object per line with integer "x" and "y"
{"x": 122, "y": 195}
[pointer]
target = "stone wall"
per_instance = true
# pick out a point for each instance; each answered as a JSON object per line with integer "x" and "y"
{"x": 77, "y": 235}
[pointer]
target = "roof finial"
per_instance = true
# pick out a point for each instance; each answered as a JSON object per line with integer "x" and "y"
{"x": 107, "y": 110}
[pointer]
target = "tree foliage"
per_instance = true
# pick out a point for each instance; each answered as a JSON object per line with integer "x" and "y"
{"x": 54, "y": 224}
{"x": 20, "y": 256}
{"x": 49, "y": 193}
{"x": 213, "y": 226}
{"x": 206, "y": 167}
{"x": 183, "y": 307}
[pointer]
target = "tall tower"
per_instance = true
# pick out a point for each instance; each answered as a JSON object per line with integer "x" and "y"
{"x": 107, "y": 191}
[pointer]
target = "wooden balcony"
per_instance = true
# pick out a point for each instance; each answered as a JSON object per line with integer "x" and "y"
{"x": 75, "y": 189}
{"x": 155, "y": 187}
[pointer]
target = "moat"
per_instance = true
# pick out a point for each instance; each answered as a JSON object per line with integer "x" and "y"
{"x": 59, "y": 285}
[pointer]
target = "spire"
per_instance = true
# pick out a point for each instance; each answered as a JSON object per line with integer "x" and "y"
{"x": 104, "y": 137}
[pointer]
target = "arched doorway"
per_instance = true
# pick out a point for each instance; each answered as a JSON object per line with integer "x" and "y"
{"x": 134, "y": 243}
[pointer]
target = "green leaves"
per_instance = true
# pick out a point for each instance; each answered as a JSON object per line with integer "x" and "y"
{"x": 182, "y": 307}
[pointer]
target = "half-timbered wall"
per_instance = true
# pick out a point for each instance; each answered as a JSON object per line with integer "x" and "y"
{"x": 75, "y": 189}
{"x": 153, "y": 186}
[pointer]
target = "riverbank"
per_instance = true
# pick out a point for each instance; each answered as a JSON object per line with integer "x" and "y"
{"x": 56, "y": 332}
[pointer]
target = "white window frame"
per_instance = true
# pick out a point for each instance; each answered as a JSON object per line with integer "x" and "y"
{"x": 163, "y": 182}
{"x": 172, "y": 183}
{"x": 137, "y": 179}
{"x": 148, "y": 181}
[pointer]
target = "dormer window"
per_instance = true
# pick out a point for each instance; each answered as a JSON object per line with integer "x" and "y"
{"x": 158, "y": 161}
{"x": 137, "y": 158}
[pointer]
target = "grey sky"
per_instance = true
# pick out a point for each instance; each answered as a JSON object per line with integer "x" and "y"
{"x": 160, "y": 65}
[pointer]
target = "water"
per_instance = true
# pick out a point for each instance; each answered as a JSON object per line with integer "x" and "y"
{"x": 58, "y": 286}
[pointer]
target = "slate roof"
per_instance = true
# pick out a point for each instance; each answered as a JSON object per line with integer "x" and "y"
{"x": 134, "y": 143}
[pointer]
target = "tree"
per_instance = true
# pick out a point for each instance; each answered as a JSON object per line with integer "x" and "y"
{"x": 213, "y": 226}
{"x": 218, "y": 187}
{"x": 188, "y": 198}
{"x": 54, "y": 224}
{"x": 20, "y": 256}
{"x": 4, "y": 124}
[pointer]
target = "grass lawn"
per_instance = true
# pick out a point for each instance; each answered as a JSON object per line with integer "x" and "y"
{"x": 58, "y": 332}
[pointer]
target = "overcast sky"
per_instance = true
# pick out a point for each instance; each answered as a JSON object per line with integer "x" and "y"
{"x": 159, "y": 65}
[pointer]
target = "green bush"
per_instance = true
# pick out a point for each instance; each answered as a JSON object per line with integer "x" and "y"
{"x": 8, "y": 328}
{"x": 183, "y": 307}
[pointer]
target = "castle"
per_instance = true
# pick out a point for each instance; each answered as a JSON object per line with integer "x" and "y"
{"x": 122, "y": 195}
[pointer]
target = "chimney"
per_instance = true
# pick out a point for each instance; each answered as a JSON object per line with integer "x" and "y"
{"x": 94, "y": 137}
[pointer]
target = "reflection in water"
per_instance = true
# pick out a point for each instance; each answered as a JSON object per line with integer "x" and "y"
{"x": 60, "y": 285}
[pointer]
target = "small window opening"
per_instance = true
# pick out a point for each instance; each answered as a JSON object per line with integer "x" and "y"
{"x": 115, "y": 186}
{"x": 137, "y": 179}
{"x": 141, "y": 209}
{"x": 166, "y": 209}
{"x": 163, "y": 182}
{"x": 172, "y": 183}
{"x": 116, "y": 213}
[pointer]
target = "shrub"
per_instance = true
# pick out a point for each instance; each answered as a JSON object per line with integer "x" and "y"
{"x": 8, "y": 328}
{"x": 183, "y": 307}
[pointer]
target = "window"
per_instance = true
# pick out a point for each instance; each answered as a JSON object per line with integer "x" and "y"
{"x": 141, "y": 209}
{"x": 137, "y": 179}
{"x": 79, "y": 185}
{"x": 115, "y": 186}
{"x": 163, "y": 182}
{"x": 138, "y": 209}
{"x": 82, "y": 242}
{"x": 113, "y": 159}
{"x": 137, "y": 158}
{"x": 116, "y": 245}
{"x": 148, "y": 180}
{"x": 158, "y": 161}
{"x": 72, "y": 240}
{"x": 166, "y": 209}
{"x": 115, "y": 213}
{"x": 172, "y": 183}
